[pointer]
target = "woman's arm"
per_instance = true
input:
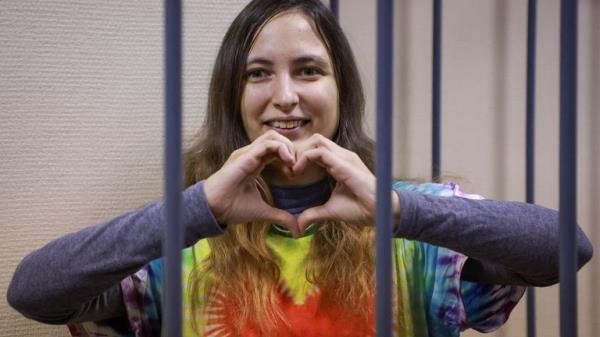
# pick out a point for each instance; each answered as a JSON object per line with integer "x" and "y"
{"x": 76, "y": 277}
{"x": 506, "y": 242}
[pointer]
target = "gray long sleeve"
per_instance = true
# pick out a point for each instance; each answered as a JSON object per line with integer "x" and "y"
{"x": 76, "y": 277}
{"x": 520, "y": 239}
{"x": 506, "y": 242}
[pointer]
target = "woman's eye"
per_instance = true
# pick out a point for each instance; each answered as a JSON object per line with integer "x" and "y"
{"x": 256, "y": 74}
{"x": 309, "y": 71}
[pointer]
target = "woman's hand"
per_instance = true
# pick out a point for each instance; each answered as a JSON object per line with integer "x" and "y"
{"x": 353, "y": 198}
{"x": 231, "y": 192}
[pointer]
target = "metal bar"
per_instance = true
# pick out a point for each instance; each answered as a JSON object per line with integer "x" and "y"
{"x": 335, "y": 8}
{"x": 173, "y": 239}
{"x": 530, "y": 104}
{"x": 436, "y": 91}
{"x": 568, "y": 167}
{"x": 530, "y": 140}
{"x": 530, "y": 312}
{"x": 383, "y": 220}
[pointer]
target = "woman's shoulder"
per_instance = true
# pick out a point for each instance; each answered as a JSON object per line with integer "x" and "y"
{"x": 446, "y": 189}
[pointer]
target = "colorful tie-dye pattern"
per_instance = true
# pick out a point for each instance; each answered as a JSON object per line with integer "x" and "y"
{"x": 430, "y": 299}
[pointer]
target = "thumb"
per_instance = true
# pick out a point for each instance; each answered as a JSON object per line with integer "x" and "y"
{"x": 280, "y": 217}
{"x": 311, "y": 215}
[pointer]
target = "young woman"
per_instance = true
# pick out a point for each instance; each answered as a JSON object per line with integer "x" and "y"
{"x": 278, "y": 216}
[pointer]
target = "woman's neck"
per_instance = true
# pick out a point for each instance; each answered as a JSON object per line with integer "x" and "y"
{"x": 297, "y": 199}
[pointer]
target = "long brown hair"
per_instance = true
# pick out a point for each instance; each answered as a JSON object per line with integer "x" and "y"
{"x": 340, "y": 262}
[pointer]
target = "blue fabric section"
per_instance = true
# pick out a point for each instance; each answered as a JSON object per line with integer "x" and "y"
{"x": 296, "y": 199}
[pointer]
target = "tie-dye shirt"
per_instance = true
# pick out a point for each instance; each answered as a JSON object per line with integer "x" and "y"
{"x": 430, "y": 298}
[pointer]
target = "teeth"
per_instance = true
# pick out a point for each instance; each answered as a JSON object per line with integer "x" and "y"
{"x": 286, "y": 124}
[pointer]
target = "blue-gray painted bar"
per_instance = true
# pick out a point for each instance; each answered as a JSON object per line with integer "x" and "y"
{"x": 530, "y": 104}
{"x": 530, "y": 140}
{"x": 383, "y": 219}
{"x": 530, "y": 312}
{"x": 568, "y": 167}
{"x": 436, "y": 91}
{"x": 173, "y": 239}
{"x": 335, "y": 8}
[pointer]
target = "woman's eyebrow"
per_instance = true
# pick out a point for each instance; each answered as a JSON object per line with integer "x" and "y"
{"x": 298, "y": 60}
{"x": 259, "y": 60}
{"x": 311, "y": 58}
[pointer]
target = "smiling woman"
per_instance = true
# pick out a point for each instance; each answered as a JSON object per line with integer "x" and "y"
{"x": 278, "y": 216}
{"x": 290, "y": 87}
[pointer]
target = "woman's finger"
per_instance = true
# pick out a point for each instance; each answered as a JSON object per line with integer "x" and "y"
{"x": 276, "y": 136}
{"x": 311, "y": 215}
{"x": 334, "y": 165}
{"x": 279, "y": 217}
{"x": 318, "y": 140}
{"x": 250, "y": 161}
{"x": 272, "y": 146}
{"x": 264, "y": 153}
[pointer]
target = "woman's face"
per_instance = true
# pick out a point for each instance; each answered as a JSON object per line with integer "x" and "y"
{"x": 289, "y": 82}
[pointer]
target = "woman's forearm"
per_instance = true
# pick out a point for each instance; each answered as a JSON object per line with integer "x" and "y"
{"x": 506, "y": 242}
{"x": 76, "y": 274}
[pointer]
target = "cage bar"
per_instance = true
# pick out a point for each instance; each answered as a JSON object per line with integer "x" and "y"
{"x": 173, "y": 239}
{"x": 530, "y": 140}
{"x": 383, "y": 220}
{"x": 568, "y": 167}
{"x": 436, "y": 91}
{"x": 335, "y": 8}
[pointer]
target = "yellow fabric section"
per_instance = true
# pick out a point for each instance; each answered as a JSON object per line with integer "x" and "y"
{"x": 192, "y": 257}
{"x": 292, "y": 254}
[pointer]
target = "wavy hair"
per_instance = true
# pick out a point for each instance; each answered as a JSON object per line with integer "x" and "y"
{"x": 341, "y": 257}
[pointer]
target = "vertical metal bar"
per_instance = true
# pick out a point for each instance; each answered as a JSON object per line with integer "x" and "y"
{"x": 530, "y": 140}
{"x": 530, "y": 312}
{"x": 383, "y": 220}
{"x": 173, "y": 240}
{"x": 568, "y": 166}
{"x": 335, "y": 8}
{"x": 436, "y": 91}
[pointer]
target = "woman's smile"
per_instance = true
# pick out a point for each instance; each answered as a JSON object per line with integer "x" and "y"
{"x": 291, "y": 128}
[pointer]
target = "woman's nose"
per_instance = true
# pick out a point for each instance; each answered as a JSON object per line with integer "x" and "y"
{"x": 285, "y": 96}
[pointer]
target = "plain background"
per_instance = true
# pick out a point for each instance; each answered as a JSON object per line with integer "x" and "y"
{"x": 81, "y": 104}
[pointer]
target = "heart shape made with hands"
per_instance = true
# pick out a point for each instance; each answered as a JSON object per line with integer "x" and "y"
{"x": 234, "y": 197}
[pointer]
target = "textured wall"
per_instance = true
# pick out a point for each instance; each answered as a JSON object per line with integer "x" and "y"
{"x": 82, "y": 117}
{"x": 81, "y": 114}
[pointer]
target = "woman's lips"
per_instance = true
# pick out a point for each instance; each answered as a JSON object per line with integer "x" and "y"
{"x": 290, "y": 133}
{"x": 287, "y": 124}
